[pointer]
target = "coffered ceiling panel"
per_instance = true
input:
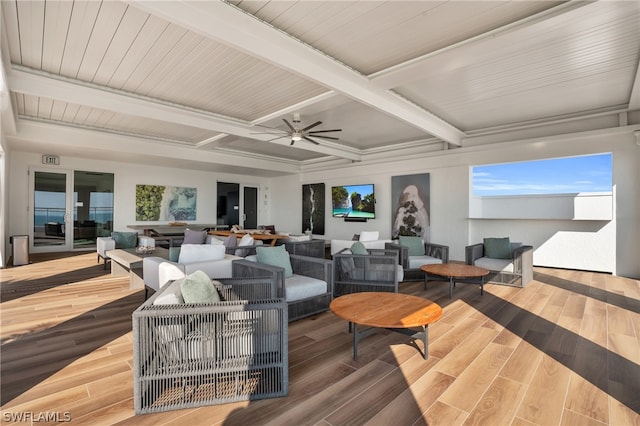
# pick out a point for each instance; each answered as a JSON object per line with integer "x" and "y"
{"x": 198, "y": 82}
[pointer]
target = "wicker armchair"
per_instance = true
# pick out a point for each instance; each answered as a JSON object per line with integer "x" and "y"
{"x": 434, "y": 253}
{"x": 293, "y": 289}
{"x": 517, "y": 271}
{"x": 313, "y": 248}
{"x": 190, "y": 355}
{"x": 377, "y": 271}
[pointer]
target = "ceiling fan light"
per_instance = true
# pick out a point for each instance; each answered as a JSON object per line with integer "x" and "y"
{"x": 296, "y": 136}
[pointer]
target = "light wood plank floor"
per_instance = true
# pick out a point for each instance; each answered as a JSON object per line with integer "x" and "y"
{"x": 565, "y": 350}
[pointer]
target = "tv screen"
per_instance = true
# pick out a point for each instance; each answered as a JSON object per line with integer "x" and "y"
{"x": 353, "y": 201}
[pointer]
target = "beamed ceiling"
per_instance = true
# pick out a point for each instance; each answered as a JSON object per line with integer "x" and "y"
{"x": 201, "y": 84}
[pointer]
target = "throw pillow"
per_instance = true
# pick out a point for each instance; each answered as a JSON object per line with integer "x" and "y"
{"x": 197, "y": 288}
{"x": 194, "y": 237}
{"x": 174, "y": 254}
{"x": 190, "y": 253}
{"x": 369, "y": 235}
{"x": 230, "y": 241}
{"x": 275, "y": 256}
{"x": 172, "y": 295}
{"x": 414, "y": 244}
{"x": 125, "y": 240}
{"x": 246, "y": 240}
{"x": 497, "y": 248}
{"x": 358, "y": 248}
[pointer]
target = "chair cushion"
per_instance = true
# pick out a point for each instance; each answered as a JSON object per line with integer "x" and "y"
{"x": 125, "y": 240}
{"x": 414, "y": 244}
{"x": 194, "y": 237}
{"x": 190, "y": 253}
{"x": 497, "y": 248}
{"x": 492, "y": 264}
{"x": 230, "y": 241}
{"x": 369, "y": 235}
{"x": 299, "y": 287}
{"x": 198, "y": 288}
{"x": 358, "y": 248}
{"x": 415, "y": 262}
{"x": 172, "y": 295}
{"x": 275, "y": 256}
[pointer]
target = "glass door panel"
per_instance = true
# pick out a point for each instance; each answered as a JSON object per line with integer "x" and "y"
{"x": 50, "y": 230}
{"x": 92, "y": 207}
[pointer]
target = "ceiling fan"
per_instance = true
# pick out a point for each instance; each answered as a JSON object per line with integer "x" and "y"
{"x": 297, "y": 133}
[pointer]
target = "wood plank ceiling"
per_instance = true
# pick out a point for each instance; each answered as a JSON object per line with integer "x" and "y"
{"x": 196, "y": 82}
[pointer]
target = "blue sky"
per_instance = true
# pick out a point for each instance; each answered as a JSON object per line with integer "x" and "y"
{"x": 592, "y": 173}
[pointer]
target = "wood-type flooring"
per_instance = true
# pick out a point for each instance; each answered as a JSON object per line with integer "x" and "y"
{"x": 564, "y": 350}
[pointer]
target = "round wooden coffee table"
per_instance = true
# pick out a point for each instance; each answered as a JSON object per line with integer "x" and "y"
{"x": 393, "y": 311}
{"x": 456, "y": 272}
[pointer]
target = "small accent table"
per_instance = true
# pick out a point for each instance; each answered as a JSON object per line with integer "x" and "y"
{"x": 129, "y": 262}
{"x": 392, "y": 311}
{"x": 456, "y": 272}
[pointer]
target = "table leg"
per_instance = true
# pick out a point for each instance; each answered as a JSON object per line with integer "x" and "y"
{"x": 450, "y": 287}
{"x": 426, "y": 341}
{"x": 355, "y": 341}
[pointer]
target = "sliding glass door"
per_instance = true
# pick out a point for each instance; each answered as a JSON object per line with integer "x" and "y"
{"x": 70, "y": 209}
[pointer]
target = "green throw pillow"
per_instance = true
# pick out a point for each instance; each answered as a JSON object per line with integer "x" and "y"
{"x": 358, "y": 248}
{"x": 197, "y": 288}
{"x": 174, "y": 254}
{"x": 125, "y": 240}
{"x": 497, "y": 248}
{"x": 414, "y": 244}
{"x": 275, "y": 256}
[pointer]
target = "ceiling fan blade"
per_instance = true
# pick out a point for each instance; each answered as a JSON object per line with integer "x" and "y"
{"x": 279, "y": 132}
{"x": 279, "y": 137}
{"x": 292, "y": 141}
{"x": 324, "y": 131}
{"x": 310, "y": 126}
{"x": 310, "y": 140}
{"x": 289, "y": 125}
{"x": 325, "y": 137}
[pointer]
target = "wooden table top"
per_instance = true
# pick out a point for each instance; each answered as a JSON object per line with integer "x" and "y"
{"x": 386, "y": 310}
{"x": 455, "y": 270}
{"x": 256, "y": 236}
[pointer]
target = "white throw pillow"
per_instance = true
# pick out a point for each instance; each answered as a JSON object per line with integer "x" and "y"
{"x": 246, "y": 240}
{"x": 190, "y": 253}
{"x": 369, "y": 235}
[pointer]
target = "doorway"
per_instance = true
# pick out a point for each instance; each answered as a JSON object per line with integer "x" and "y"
{"x": 70, "y": 209}
{"x": 233, "y": 209}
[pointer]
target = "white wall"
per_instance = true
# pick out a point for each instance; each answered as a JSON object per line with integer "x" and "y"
{"x": 601, "y": 245}
{"x": 126, "y": 177}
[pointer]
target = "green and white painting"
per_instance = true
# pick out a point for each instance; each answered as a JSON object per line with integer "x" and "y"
{"x": 160, "y": 203}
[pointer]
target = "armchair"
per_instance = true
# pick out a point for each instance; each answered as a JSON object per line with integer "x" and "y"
{"x": 308, "y": 291}
{"x": 122, "y": 240}
{"x": 411, "y": 257}
{"x": 378, "y": 270}
{"x": 191, "y": 355}
{"x": 513, "y": 268}
{"x": 313, "y": 248}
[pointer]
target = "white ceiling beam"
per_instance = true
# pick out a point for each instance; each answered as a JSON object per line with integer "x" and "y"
{"x": 231, "y": 26}
{"x": 634, "y": 99}
{"x": 68, "y": 140}
{"x": 23, "y": 80}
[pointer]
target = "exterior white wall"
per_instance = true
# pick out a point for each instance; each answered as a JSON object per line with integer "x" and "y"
{"x": 126, "y": 177}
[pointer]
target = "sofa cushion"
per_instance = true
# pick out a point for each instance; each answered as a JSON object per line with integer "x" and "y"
{"x": 197, "y": 288}
{"x": 172, "y": 295}
{"x": 497, "y": 248}
{"x": 492, "y": 264}
{"x": 369, "y": 235}
{"x": 299, "y": 287}
{"x": 194, "y": 237}
{"x": 415, "y": 262}
{"x": 414, "y": 244}
{"x": 275, "y": 256}
{"x": 125, "y": 240}
{"x": 190, "y": 253}
{"x": 358, "y": 248}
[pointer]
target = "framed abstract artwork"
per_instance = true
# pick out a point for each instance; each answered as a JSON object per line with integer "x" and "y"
{"x": 313, "y": 206}
{"x": 410, "y": 203}
{"x": 159, "y": 203}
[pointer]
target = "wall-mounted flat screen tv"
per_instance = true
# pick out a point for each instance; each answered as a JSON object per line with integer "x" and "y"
{"x": 354, "y": 201}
